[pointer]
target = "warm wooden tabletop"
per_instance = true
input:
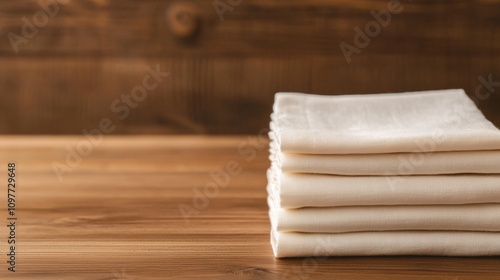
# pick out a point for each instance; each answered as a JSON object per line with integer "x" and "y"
{"x": 114, "y": 214}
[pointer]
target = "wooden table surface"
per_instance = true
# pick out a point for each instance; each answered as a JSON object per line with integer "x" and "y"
{"x": 114, "y": 214}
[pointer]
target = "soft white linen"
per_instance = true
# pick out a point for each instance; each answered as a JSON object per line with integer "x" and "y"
{"x": 470, "y": 217}
{"x": 485, "y": 162}
{"x": 313, "y": 190}
{"x": 446, "y": 120}
{"x": 388, "y": 174}
{"x": 442, "y": 243}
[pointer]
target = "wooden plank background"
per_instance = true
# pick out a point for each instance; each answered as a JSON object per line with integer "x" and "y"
{"x": 223, "y": 77}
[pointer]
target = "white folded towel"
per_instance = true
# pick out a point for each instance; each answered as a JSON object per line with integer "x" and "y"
{"x": 442, "y": 243}
{"x": 446, "y": 120}
{"x": 416, "y": 173}
{"x": 313, "y": 190}
{"x": 486, "y": 162}
{"x": 470, "y": 217}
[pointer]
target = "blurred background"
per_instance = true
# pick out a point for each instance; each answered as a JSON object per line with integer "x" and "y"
{"x": 65, "y": 65}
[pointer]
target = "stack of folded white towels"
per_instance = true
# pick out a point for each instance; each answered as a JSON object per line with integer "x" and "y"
{"x": 383, "y": 174}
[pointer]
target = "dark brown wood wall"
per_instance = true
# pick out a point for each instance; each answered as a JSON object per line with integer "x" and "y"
{"x": 223, "y": 74}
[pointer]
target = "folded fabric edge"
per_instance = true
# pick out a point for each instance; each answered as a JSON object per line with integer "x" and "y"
{"x": 470, "y": 217}
{"x": 432, "y": 243}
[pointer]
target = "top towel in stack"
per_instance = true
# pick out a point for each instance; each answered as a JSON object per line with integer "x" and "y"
{"x": 351, "y": 154}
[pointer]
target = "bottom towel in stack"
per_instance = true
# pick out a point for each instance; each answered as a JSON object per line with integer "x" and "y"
{"x": 439, "y": 243}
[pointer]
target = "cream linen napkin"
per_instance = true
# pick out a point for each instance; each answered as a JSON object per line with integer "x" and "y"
{"x": 486, "y": 162}
{"x": 312, "y": 190}
{"x": 446, "y": 120}
{"x": 469, "y": 217}
{"x": 442, "y": 243}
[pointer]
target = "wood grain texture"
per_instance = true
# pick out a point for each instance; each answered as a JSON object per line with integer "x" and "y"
{"x": 223, "y": 80}
{"x": 116, "y": 216}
